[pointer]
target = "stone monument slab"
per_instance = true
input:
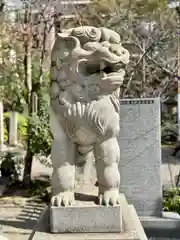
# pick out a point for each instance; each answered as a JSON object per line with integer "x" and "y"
{"x": 140, "y": 144}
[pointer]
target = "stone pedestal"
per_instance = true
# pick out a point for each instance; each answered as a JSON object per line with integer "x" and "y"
{"x": 130, "y": 223}
{"x": 86, "y": 219}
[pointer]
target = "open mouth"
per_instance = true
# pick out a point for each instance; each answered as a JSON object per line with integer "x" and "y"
{"x": 90, "y": 68}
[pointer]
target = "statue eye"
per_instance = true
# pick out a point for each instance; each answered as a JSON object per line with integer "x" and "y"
{"x": 116, "y": 53}
{"x": 113, "y": 51}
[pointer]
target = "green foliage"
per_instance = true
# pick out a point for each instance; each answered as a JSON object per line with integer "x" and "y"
{"x": 6, "y": 115}
{"x": 40, "y": 137}
{"x": 13, "y": 90}
{"x": 171, "y": 201}
{"x": 6, "y": 122}
{"x": 144, "y": 6}
{"x": 22, "y": 128}
{"x": 5, "y": 134}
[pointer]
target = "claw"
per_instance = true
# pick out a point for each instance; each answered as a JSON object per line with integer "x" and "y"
{"x": 106, "y": 200}
{"x": 109, "y": 197}
{"x": 65, "y": 202}
{"x": 58, "y": 201}
{"x": 62, "y": 199}
{"x": 113, "y": 201}
{"x": 52, "y": 201}
{"x": 118, "y": 201}
{"x": 100, "y": 200}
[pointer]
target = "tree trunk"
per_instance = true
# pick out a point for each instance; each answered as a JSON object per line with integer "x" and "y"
{"x": 29, "y": 154}
{"x": 28, "y": 159}
{"x": 28, "y": 82}
{"x": 27, "y": 169}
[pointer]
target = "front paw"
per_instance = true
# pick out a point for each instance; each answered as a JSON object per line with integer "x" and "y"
{"x": 109, "y": 197}
{"x": 62, "y": 199}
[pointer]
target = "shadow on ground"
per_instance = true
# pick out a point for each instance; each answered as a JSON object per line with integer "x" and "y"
{"x": 28, "y": 216}
{"x": 20, "y": 208}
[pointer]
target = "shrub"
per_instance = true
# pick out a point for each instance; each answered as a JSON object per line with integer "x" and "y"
{"x": 171, "y": 201}
{"x": 11, "y": 166}
{"x": 8, "y": 165}
{"x": 41, "y": 138}
{"x": 5, "y": 134}
{"x": 22, "y": 127}
{"x": 6, "y": 126}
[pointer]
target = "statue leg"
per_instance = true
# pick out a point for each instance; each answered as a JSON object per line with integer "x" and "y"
{"x": 107, "y": 154}
{"x": 63, "y": 162}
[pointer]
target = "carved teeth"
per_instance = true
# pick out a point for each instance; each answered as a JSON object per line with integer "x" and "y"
{"x": 102, "y": 66}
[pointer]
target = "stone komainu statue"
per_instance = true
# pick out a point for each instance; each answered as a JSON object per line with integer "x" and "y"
{"x": 86, "y": 74}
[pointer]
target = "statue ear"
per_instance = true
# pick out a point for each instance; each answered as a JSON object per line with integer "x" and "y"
{"x": 63, "y": 46}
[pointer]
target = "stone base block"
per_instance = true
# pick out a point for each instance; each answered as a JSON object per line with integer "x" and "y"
{"x": 86, "y": 219}
{"x": 132, "y": 228}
